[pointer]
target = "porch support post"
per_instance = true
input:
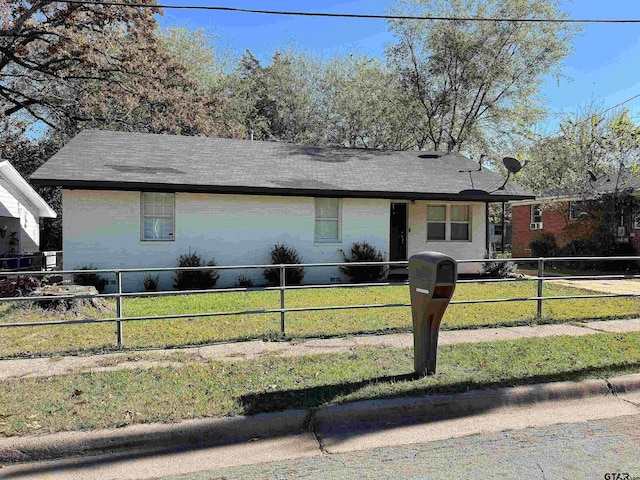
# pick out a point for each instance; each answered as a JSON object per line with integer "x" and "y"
{"x": 487, "y": 232}
{"x": 503, "y": 228}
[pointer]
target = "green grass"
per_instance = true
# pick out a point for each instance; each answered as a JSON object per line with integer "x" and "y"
{"x": 196, "y": 389}
{"x": 192, "y": 331}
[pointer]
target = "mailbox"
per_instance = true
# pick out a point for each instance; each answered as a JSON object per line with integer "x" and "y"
{"x": 432, "y": 280}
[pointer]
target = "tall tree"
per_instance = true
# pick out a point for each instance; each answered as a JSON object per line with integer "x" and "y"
{"x": 606, "y": 145}
{"x": 65, "y": 64}
{"x": 623, "y": 148}
{"x": 274, "y": 102}
{"x": 560, "y": 164}
{"x": 205, "y": 64}
{"x": 363, "y": 105}
{"x": 474, "y": 81}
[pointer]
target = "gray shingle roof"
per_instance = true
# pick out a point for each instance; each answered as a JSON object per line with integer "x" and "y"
{"x": 588, "y": 188}
{"x": 137, "y": 161}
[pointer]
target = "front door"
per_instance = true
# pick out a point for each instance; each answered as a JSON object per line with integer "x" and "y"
{"x": 398, "y": 233}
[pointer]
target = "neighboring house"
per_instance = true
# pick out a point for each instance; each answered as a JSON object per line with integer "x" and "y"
{"x": 140, "y": 200}
{"x": 566, "y": 219}
{"x": 21, "y": 209}
{"x": 496, "y": 234}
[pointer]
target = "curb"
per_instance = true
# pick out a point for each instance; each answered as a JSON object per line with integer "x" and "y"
{"x": 411, "y": 410}
{"x": 152, "y": 438}
{"x": 200, "y": 433}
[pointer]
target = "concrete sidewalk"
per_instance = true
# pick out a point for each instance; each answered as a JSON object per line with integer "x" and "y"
{"x": 44, "y": 367}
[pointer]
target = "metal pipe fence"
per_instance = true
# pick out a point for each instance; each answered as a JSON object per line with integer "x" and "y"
{"x": 120, "y": 318}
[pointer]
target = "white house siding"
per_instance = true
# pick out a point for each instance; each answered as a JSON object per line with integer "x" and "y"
{"x": 102, "y": 228}
{"x": 460, "y": 250}
{"x": 14, "y": 206}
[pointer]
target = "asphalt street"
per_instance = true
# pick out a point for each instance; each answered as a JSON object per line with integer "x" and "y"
{"x": 586, "y": 450}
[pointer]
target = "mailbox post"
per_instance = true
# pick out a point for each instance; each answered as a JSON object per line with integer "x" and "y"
{"x": 432, "y": 280}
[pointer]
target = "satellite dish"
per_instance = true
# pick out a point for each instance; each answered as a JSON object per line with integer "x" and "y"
{"x": 512, "y": 165}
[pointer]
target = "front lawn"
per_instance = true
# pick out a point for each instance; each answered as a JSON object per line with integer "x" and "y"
{"x": 83, "y": 401}
{"x": 191, "y": 331}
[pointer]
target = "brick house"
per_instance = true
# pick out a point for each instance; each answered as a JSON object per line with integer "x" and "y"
{"x": 561, "y": 219}
{"x": 565, "y": 218}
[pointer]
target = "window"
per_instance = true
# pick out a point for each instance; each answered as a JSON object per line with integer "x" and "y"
{"x": 536, "y": 214}
{"x": 497, "y": 230}
{"x": 460, "y": 222}
{"x": 436, "y": 222}
{"x": 158, "y": 215}
{"x": 448, "y": 222}
{"x": 577, "y": 209}
{"x": 327, "y": 229}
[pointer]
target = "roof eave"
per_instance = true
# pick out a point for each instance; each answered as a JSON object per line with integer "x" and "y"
{"x": 298, "y": 192}
{"x": 26, "y": 190}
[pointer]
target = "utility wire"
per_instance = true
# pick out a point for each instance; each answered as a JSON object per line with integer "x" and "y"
{"x": 369, "y": 16}
{"x": 587, "y": 119}
{"x": 348, "y": 15}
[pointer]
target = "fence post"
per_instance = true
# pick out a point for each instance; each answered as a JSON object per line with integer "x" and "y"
{"x": 119, "y": 307}
{"x": 282, "y": 285}
{"x": 540, "y": 282}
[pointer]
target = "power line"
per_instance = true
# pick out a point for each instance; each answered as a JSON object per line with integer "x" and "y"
{"x": 350, "y": 15}
{"x": 587, "y": 119}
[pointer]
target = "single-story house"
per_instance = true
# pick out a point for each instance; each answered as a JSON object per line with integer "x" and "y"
{"x": 21, "y": 209}
{"x": 564, "y": 215}
{"x": 140, "y": 200}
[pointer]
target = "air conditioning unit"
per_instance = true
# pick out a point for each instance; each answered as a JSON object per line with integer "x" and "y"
{"x": 535, "y": 226}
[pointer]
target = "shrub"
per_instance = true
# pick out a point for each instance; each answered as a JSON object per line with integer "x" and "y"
{"x": 364, "y": 252}
{"x": 623, "y": 250}
{"x": 288, "y": 255}
{"x": 195, "y": 279}
{"x": 499, "y": 269}
{"x": 544, "y": 246}
{"x": 599, "y": 245}
{"x": 244, "y": 281}
{"x": 150, "y": 283}
{"x": 90, "y": 279}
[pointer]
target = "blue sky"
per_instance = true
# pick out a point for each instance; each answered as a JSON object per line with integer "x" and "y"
{"x": 603, "y": 66}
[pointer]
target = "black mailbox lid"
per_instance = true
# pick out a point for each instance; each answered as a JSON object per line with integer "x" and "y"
{"x": 426, "y": 266}
{"x": 446, "y": 272}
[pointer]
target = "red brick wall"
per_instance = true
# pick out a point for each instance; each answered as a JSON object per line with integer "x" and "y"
{"x": 555, "y": 221}
{"x": 636, "y": 239}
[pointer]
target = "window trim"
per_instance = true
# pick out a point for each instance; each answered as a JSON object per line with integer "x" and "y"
{"x": 533, "y": 207}
{"x": 142, "y": 217}
{"x": 446, "y": 216}
{"x": 467, "y": 222}
{"x": 448, "y": 222}
{"x": 338, "y": 220}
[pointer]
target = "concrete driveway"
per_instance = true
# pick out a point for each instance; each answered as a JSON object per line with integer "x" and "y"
{"x": 621, "y": 286}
